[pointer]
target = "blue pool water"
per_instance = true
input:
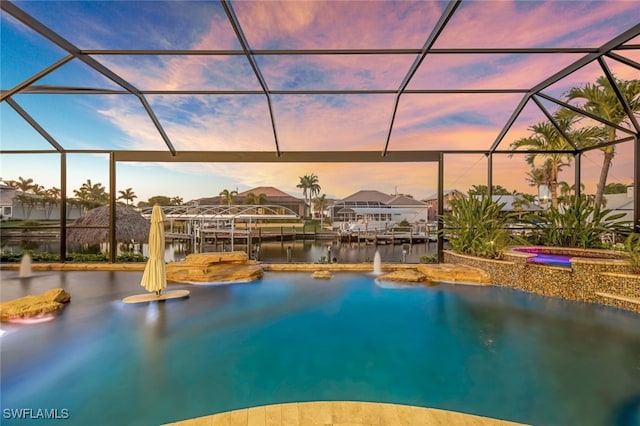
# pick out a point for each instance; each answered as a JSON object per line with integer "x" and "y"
{"x": 488, "y": 351}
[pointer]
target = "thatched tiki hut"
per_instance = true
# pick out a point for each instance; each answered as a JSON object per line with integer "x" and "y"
{"x": 130, "y": 226}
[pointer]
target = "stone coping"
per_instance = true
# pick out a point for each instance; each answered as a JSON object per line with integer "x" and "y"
{"x": 275, "y": 267}
{"x": 592, "y": 260}
{"x": 594, "y": 254}
{"x": 441, "y": 272}
{"x": 343, "y": 413}
{"x": 468, "y": 256}
{"x": 621, "y": 275}
{"x": 37, "y": 266}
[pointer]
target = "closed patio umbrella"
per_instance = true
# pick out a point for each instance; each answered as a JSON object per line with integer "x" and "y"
{"x": 154, "y": 277}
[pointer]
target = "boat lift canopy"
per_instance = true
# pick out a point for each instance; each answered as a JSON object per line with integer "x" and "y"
{"x": 224, "y": 212}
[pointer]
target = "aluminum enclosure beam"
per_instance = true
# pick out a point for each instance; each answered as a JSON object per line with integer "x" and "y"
{"x": 36, "y": 77}
{"x": 314, "y": 52}
{"x": 619, "y": 95}
{"x": 271, "y": 157}
{"x": 553, "y": 121}
{"x": 570, "y": 69}
{"x": 70, "y": 48}
{"x": 447, "y": 14}
{"x": 68, "y": 90}
{"x": 33, "y": 123}
{"x": 585, "y": 113}
{"x": 235, "y": 24}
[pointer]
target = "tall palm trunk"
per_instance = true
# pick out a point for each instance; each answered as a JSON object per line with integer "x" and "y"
{"x": 553, "y": 187}
{"x": 602, "y": 182}
{"x": 609, "y": 153}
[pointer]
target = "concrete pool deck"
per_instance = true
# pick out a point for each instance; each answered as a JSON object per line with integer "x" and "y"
{"x": 341, "y": 413}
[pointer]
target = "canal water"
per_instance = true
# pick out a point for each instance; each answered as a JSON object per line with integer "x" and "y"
{"x": 269, "y": 252}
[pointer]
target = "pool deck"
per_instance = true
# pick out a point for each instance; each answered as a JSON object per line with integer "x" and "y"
{"x": 341, "y": 413}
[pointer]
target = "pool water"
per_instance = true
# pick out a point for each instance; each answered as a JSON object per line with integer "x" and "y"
{"x": 487, "y": 351}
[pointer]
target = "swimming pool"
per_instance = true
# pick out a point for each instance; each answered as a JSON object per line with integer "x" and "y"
{"x": 488, "y": 351}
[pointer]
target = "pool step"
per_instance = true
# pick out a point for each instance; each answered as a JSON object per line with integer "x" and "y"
{"x": 635, "y": 300}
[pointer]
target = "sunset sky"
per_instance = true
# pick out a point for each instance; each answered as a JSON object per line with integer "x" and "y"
{"x": 304, "y": 122}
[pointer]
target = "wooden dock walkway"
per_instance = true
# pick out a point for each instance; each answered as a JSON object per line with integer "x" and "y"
{"x": 255, "y": 235}
{"x": 382, "y": 238}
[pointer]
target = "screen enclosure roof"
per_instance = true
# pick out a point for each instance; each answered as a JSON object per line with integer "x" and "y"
{"x": 269, "y": 81}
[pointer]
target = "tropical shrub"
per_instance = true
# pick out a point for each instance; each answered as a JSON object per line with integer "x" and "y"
{"x": 632, "y": 247}
{"x": 429, "y": 258}
{"x": 580, "y": 224}
{"x": 9, "y": 257}
{"x": 476, "y": 226}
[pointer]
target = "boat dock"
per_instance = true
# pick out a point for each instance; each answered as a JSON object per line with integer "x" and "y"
{"x": 389, "y": 237}
{"x": 215, "y": 235}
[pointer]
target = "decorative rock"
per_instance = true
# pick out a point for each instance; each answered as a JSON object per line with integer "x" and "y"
{"x": 322, "y": 274}
{"x": 32, "y": 306}
{"x": 454, "y": 273}
{"x": 57, "y": 295}
{"x": 407, "y": 275}
{"x": 215, "y": 267}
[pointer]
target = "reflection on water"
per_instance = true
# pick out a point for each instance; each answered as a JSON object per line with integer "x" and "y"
{"x": 269, "y": 252}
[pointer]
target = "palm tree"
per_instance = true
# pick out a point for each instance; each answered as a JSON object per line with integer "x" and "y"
{"x": 176, "y": 201}
{"x": 227, "y": 196}
{"x": 319, "y": 203}
{"x": 24, "y": 185}
{"x": 565, "y": 192}
{"x": 253, "y": 199}
{"x": 12, "y": 183}
{"x": 28, "y": 202}
{"x": 545, "y": 137}
{"x": 51, "y": 199}
{"x": 304, "y": 185}
{"x": 484, "y": 190}
{"x": 310, "y": 187}
{"x": 127, "y": 195}
{"x": 92, "y": 195}
{"x": 601, "y": 100}
{"x": 539, "y": 176}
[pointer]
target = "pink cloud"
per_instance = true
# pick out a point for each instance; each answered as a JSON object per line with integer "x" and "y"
{"x": 536, "y": 24}
{"x": 314, "y": 24}
{"x": 488, "y": 71}
{"x": 326, "y": 123}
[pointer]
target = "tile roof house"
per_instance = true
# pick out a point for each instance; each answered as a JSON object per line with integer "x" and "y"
{"x": 377, "y": 205}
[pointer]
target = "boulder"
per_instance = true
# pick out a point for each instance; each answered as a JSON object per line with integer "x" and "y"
{"x": 448, "y": 272}
{"x": 406, "y": 275}
{"x": 322, "y": 274}
{"x": 217, "y": 257}
{"x": 34, "y": 306}
{"x": 215, "y": 267}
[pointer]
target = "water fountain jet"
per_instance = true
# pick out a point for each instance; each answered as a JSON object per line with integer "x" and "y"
{"x": 25, "y": 267}
{"x": 377, "y": 263}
